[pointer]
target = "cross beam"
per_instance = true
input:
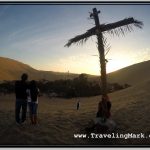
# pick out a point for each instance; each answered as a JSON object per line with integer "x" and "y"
{"x": 98, "y": 30}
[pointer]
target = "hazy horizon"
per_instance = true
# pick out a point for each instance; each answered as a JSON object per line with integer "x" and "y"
{"x": 36, "y": 35}
{"x": 68, "y": 70}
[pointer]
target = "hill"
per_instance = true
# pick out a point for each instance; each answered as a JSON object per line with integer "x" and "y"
{"x": 11, "y": 70}
{"x": 133, "y": 74}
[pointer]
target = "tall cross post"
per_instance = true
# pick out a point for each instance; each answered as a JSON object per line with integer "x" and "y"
{"x": 101, "y": 52}
{"x": 119, "y": 27}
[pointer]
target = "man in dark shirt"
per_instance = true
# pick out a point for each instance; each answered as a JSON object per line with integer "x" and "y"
{"x": 21, "y": 99}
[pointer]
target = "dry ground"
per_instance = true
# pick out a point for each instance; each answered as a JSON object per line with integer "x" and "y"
{"x": 59, "y": 120}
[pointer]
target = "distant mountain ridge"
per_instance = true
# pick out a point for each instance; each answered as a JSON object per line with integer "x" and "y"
{"x": 11, "y": 70}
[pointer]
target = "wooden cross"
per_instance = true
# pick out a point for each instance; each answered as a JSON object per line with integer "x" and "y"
{"x": 113, "y": 28}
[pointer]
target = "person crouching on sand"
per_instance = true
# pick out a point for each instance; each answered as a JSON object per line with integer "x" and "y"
{"x": 104, "y": 108}
{"x": 103, "y": 116}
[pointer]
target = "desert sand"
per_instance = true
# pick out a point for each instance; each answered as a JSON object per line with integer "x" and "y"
{"x": 59, "y": 120}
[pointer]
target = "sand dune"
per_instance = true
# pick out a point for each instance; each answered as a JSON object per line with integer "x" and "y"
{"x": 133, "y": 74}
{"x": 59, "y": 120}
{"x": 11, "y": 70}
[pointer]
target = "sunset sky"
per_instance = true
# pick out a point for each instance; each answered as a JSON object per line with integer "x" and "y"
{"x": 36, "y": 35}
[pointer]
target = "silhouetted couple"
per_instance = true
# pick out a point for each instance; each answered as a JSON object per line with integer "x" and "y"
{"x": 26, "y": 93}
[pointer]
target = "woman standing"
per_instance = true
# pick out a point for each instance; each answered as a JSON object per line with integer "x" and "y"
{"x": 33, "y": 105}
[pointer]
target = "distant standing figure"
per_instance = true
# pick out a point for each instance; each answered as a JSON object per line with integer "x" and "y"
{"x": 33, "y": 92}
{"x": 78, "y": 104}
{"x": 21, "y": 99}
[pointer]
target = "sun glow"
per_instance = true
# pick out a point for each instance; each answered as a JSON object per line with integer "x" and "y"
{"x": 116, "y": 65}
{"x": 111, "y": 65}
{"x": 86, "y": 63}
